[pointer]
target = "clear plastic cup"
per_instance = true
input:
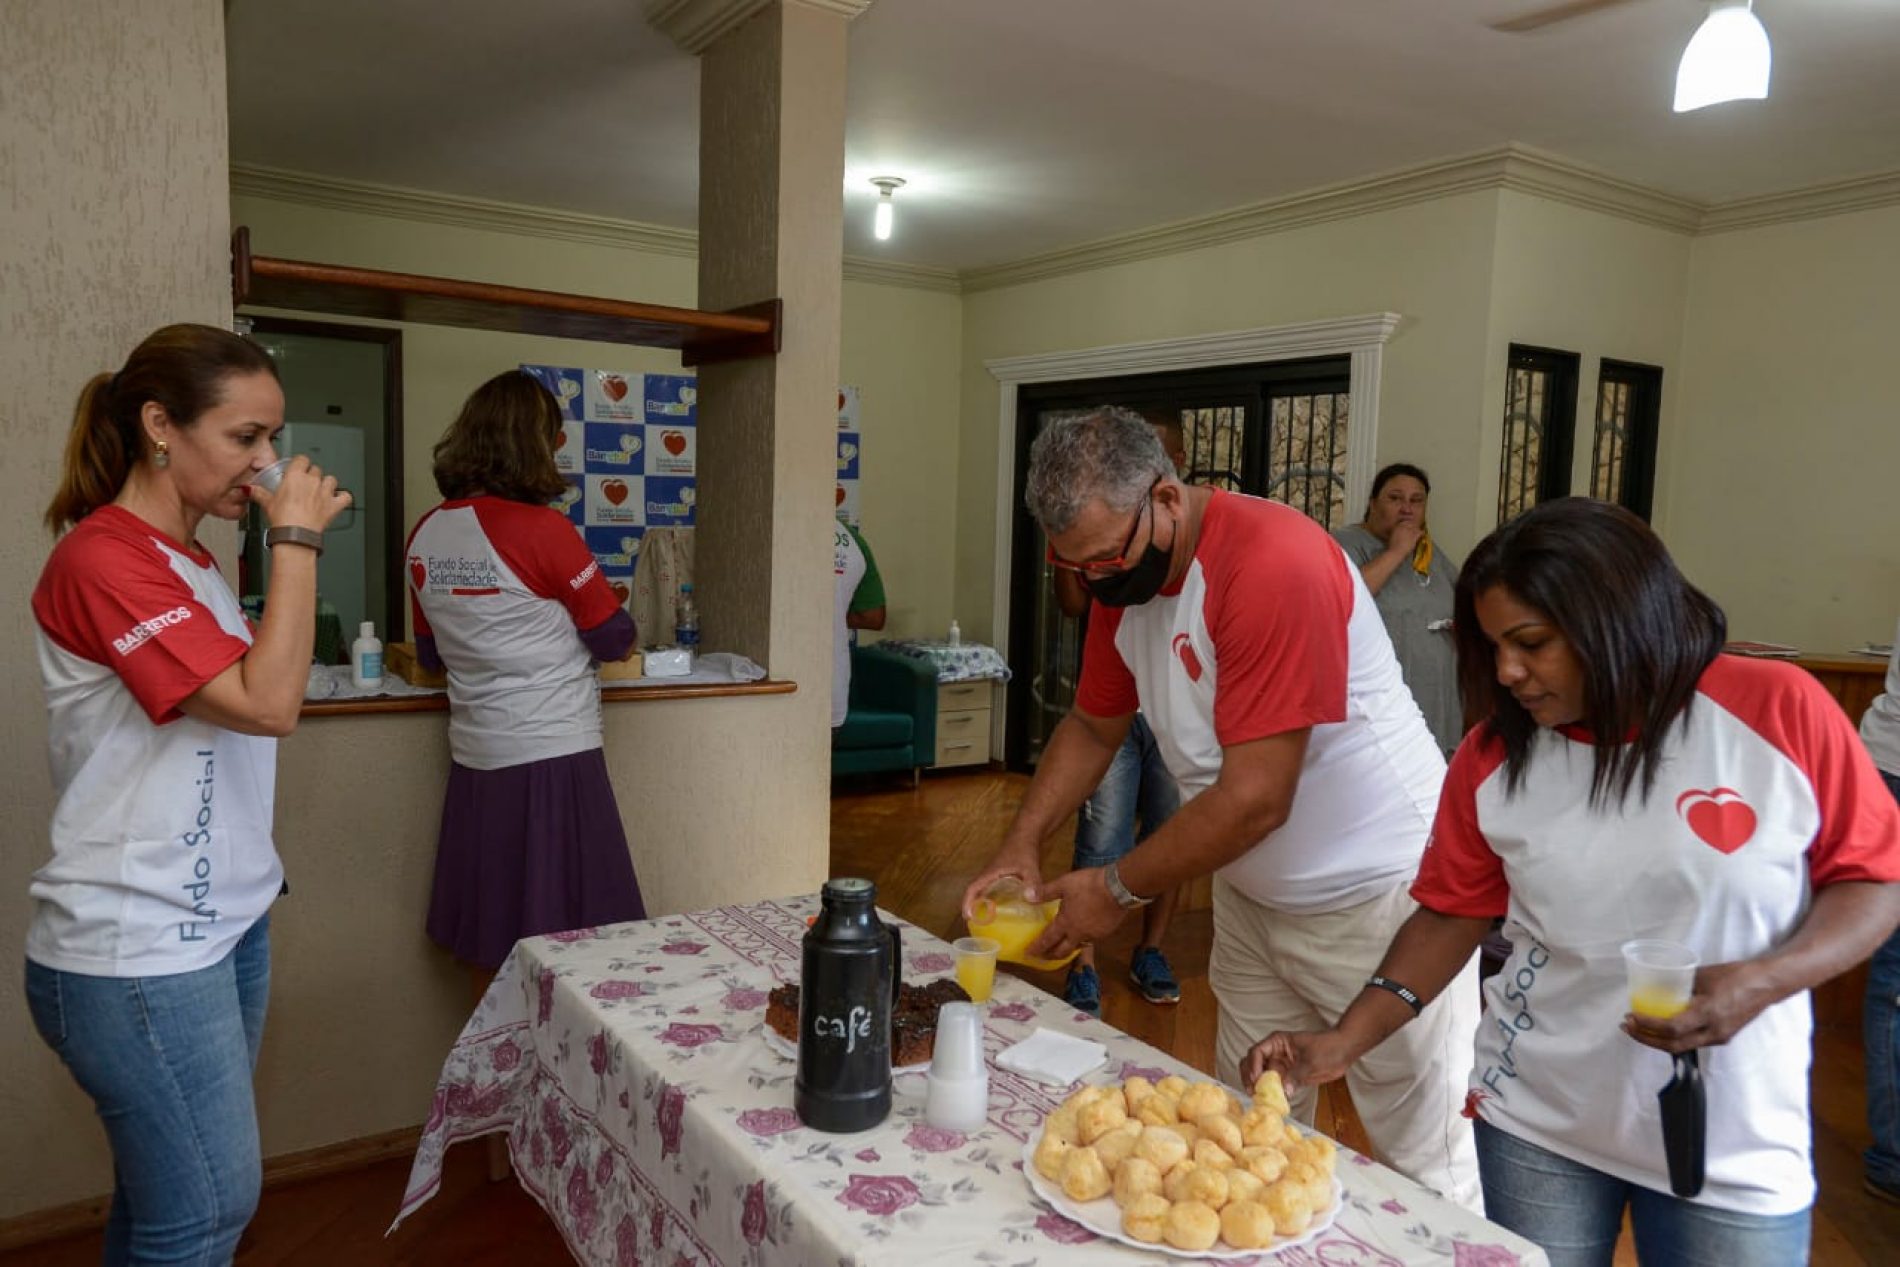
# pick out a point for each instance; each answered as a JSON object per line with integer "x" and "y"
{"x": 1661, "y": 976}
{"x": 976, "y": 966}
{"x": 958, "y": 1051}
{"x": 272, "y": 476}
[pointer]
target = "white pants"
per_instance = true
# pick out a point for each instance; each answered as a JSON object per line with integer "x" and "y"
{"x": 1272, "y": 970}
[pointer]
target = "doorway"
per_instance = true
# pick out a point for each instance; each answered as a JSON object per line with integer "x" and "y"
{"x": 342, "y": 407}
{"x": 1271, "y": 430}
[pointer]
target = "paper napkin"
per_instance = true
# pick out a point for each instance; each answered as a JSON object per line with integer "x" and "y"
{"x": 1053, "y": 1058}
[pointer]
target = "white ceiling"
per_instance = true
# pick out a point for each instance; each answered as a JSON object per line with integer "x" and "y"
{"x": 1027, "y": 125}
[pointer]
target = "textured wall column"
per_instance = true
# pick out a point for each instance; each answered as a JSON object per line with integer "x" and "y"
{"x": 771, "y": 179}
{"x": 115, "y": 220}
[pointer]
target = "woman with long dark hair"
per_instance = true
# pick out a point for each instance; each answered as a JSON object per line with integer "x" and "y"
{"x": 508, "y": 598}
{"x": 1630, "y": 781}
{"x": 148, "y": 957}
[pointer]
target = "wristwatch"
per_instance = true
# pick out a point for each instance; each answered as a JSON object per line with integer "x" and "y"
{"x": 1112, "y": 874}
{"x": 307, "y": 537}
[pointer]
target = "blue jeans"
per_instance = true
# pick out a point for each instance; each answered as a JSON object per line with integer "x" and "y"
{"x": 1137, "y": 785}
{"x": 167, "y": 1061}
{"x": 1880, "y": 1039}
{"x": 1575, "y": 1213}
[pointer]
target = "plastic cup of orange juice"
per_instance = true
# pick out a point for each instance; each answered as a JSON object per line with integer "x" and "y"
{"x": 976, "y": 966}
{"x": 1661, "y": 976}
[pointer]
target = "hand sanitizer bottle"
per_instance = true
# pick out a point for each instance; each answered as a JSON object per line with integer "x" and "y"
{"x": 366, "y": 658}
{"x": 956, "y": 635}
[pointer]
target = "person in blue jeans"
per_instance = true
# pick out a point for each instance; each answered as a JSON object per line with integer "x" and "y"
{"x": 148, "y": 953}
{"x": 1880, "y": 1012}
{"x": 1134, "y": 798}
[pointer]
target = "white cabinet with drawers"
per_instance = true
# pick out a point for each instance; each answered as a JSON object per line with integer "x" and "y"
{"x": 963, "y": 722}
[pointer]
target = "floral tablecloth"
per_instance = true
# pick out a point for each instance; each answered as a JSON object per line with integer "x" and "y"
{"x": 646, "y": 1114}
{"x": 963, "y": 662}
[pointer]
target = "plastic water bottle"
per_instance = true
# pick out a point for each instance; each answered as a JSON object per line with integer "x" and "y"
{"x": 686, "y": 621}
{"x": 956, "y": 634}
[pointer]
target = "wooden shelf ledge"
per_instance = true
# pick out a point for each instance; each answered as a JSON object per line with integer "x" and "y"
{"x": 608, "y": 695}
{"x": 700, "y": 337}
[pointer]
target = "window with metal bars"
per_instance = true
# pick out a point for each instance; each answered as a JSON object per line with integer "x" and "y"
{"x": 1623, "y": 448}
{"x": 1540, "y": 413}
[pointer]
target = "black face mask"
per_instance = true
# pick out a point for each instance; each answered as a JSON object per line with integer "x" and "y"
{"x": 1137, "y": 584}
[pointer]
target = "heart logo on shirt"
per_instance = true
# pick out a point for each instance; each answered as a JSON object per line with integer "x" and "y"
{"x": 1721, "y": 818}
{"x": 418, "y": 573}
{"x": 1189, "y": 661}
{"x": 675, "y": 442}
{"x": 613, "y": 387}
{"x": 614, "y": 491}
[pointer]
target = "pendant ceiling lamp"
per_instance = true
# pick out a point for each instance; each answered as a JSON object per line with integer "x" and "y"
{"x": 1727, "y": 58}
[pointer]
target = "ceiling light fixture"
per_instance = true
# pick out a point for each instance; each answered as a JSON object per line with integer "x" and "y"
{"x": 881, "y": 223}
{"x": 1727, "y": 58}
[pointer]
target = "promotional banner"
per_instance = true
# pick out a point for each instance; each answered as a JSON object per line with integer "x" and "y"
{"x": 629, "y": 447}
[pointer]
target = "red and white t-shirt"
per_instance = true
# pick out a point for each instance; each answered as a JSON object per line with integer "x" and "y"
{"x": 162, "y": 851}
{"x": 1764, "y": 795}
{"x": 1273, "y": 630}
{"x": 503, "y": 587}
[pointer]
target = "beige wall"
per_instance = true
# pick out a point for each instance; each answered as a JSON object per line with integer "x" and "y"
{"x": 112, "y": 138}
{"x": 1781, "y": 495}
{"x": 1430, "y": 262}
{"x": 1584, "y": 282}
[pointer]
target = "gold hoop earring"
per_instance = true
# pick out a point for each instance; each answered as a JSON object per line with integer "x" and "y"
{"x": 162, "y": 458}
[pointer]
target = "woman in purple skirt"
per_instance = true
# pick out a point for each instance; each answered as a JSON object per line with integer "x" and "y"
{"x": 508, "y": 599}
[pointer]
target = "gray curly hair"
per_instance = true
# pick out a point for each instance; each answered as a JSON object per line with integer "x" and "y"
{"x": 1111, "y": 454}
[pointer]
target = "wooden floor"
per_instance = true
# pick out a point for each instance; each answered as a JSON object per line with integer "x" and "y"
{"x": 921, "y": 846}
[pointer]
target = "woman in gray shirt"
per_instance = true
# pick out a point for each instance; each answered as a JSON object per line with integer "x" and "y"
{"x": 1411, "y": 580}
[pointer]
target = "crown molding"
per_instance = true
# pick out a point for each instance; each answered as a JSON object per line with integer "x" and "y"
{"x": 1862, "y": 193}
{"x": 861, "y": 268}
{"x": 1546, "y": 175}
{"x": 695, "y": 25}
{"x": 1516, "y": 167}
{"x": 368, "y": 198}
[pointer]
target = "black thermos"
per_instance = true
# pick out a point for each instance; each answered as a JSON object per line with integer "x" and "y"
{"x": 845, "y": 998}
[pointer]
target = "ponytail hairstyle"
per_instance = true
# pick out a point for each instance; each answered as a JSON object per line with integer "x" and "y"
{"x": 182, "y": 368}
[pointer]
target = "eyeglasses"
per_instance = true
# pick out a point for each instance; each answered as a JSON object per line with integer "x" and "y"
{"x": 1102, "y": 567}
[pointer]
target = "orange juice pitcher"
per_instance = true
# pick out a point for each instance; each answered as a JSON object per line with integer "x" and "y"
{"x": 1014, "y": 922}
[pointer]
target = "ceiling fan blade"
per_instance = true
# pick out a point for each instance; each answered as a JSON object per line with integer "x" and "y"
{"x": 1552, "y": 15}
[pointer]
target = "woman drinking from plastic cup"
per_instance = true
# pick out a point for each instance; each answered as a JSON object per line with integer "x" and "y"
{"x": 148, "y": 957}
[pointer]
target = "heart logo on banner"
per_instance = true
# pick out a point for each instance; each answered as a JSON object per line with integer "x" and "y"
{"x": 1721, "y": 819}
{"x": 621, "y": 592}
{"x": 840, "y": 402}
{"x": 613, "y": 387}
{"x": 614, "y": 491}
{"x": 841, "y": 494}
{"x": 418, "y": 573}
{"x": 560, "y": 440}
{"x": 674, "y": 441}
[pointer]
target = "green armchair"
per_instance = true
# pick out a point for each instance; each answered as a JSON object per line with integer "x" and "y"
{"x": 892, "y": 723}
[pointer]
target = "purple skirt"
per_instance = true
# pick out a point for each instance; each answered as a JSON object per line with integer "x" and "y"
{"x": 529, "y": 849}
